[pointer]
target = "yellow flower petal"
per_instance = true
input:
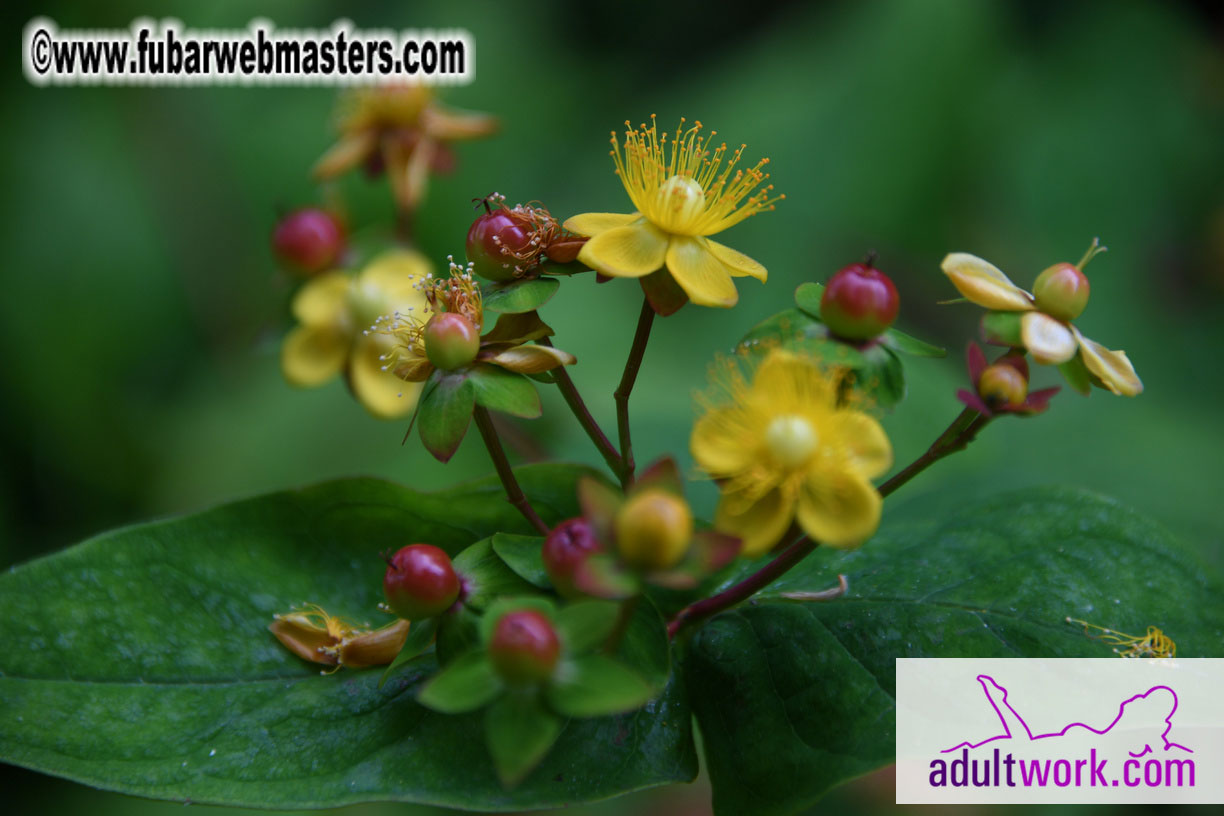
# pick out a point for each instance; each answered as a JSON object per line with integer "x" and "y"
{"x": 724, "y": 441}
{"x": 312, "y": 355}
{"x": 323, "y": 301}
{"x": 838, "y": 508}
{"x": 737, "y": 262}
{"x": 595, "y": 223}
{"x": 382, "y": 393}
{"x": 395, "y": 273}
{"x": 760, "y": 525}
{"x": 703, "y": 277}
{"x": 350, "y": 151}
{"x": 984, "y": 284}
{"x": 1048, "y": 340}
{"x": 866, "y": 445}
{"x": 1112, "y": 367}
{"x": 787, "y": 382}
{"x": 626, "y": 252}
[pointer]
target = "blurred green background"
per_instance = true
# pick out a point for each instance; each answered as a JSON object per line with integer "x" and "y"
{"x": 142, "y": 311}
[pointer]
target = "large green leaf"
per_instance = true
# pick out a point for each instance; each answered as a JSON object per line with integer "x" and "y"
{"x": 140, "y": 661}
{"x": 793, "y": 698}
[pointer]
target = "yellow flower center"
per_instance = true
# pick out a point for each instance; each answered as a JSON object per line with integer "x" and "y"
{"x": 679, "y": 201}
{"x": 687, "y": 188}
{"x": 791, "y": 440}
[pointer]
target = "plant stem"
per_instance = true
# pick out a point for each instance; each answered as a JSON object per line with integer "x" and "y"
{"x": 574, "y": 400}
{"x": 621, "y": 395}
{"x": 745, "y": 589}
{"x": 623, "y": 616}
{"x": 513, "y": 492}
{"x": 956, "y": 437}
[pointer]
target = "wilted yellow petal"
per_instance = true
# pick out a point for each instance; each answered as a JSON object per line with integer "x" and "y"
{"x": 737, "y": 262}
{"x": 1112, "y": 367}
{"x": 984, "y": 284}
{"x": 867, "y": 448}
{"x": 382, "y": 393}
{"x": 300, "y": 634}
{"x": 1048, "y": 340}
{"x": 626, "y": 252}
{"x": 352, "y": 149}
{"x": 532, "y": 359}
{"x": 838, "y": 508}
{"x": 595, "y": 223}
{"x": 704, "y": 278}
{"x": 759, "y": 525}
{"x": 323, "y": 301}
{"x": 312, "y": 355}
{"x": 376, "y": 648}
{"x": 452, "y": 124}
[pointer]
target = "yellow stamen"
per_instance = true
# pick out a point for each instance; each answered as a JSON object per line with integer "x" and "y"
{"x": 1153, "y": 644}
{"x": 689, "y": 190}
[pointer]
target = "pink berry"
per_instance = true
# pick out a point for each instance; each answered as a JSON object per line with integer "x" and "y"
{"x": 420, "y": 582}
{"x": 859, "y": 302}
{"x": 566, "y": 547}
{"x": 308, "y": 241}
{"x": 524, "y": 647}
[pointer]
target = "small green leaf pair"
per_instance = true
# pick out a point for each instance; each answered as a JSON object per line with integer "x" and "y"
{"x": 498, "y": 380}
{"x": 525, "y": 715}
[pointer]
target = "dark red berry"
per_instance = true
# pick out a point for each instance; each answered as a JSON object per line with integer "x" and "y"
{"x": 308, "y": 241}
{"x": 859, "y": 302}
{"x": 420, "y": 582}
{"x": 568, "y": 545}
{"x": 524, "y": 647}
{"x": 451, "y": 340}
{"x": 492, "y": 242}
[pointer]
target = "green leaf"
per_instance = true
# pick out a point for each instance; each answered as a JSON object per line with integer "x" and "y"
{"x": 881, "y": 377}
{"x": 519, "y": 731}
{"x": 585, "y": 625}
{"x": 458, "y": 633}
{"x": 1002, "y": 329}
{"x": 786, "y": 325}
{"x": 500, "y": 390}
{"x": 445, "y": 412}
{"x": 486, "y": 577}
{"x": 807, "y": 298}
{"x": 1077, "y": 375}
{"x": 467, "y": 684}
{"x": 516, "y": 297}
{"x": 898, "y": 340}
{"x": 793, "y": 698}
{"x": 420, "y": 636}
{"x": 140, "y": 662}
{"x": 595, "y": 686}
{"x": 523, "y": 555}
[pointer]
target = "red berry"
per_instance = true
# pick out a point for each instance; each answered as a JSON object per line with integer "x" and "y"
{"x": 308, "y": 241}
{"x": 1061, "y": 291}
{"x": 492, "y": 240}
{"x": 420, "y": 582}
{"x": 451, "y": 340}
{"x": 524, "y": 647}
{"x": 567, "y": 546}
{"x": 859, "y": 302}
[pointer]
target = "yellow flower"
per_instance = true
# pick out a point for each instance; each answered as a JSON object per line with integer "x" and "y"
{"x": 783, "y": 450}
{"x": 681, "y": 196}
{"x": 1051, "y": 341}
{"x": 401, "y": 129}
{"x": 336, "y": 312}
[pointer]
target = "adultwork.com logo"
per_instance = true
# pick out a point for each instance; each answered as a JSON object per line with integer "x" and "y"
{"x": 1134, "y": 749}
{"x": 1060, "y": 730}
